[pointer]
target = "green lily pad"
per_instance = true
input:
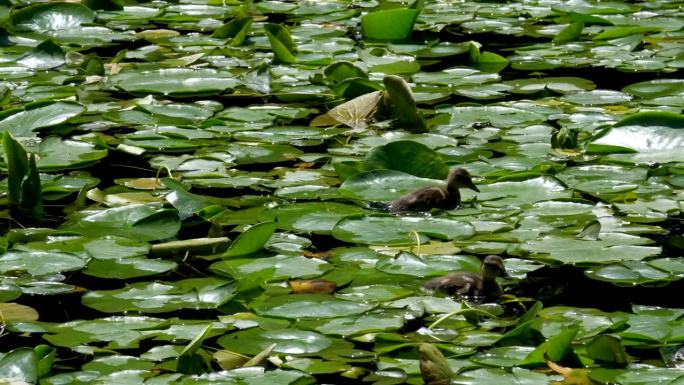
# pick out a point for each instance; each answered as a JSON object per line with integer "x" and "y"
{"x": 288, "y": 341}
{"x": 410, "y": 264}
{"x": 494, "y": 376}
{"x": 138, "y": 222}
{"x": 390, "y": 24}
{"x": 390, "y": 230}
{"x": 19, "y": 365}
{"x": 44, "y": 56}
{"x": 40, "y": 262}
{"x": 56, "y": 154}
{"x": 251, "y": 240}
{"x": 159, "y": 297}
{"x": 655, "y": 136}
{"x": 121, "y": 332}
{"x": 518, "y": 194}
{"x": 498, "y": 116}
{"x": 609, "y": 248}
{"x": 128, "y": 268}
{"x": 175, "y": 81}
{"x": 37, "y": 116}
{"x": 308, "y": 306}
{"x": 43, "y": 17}
{"x": 407, "y": 156}
{"x": 362, "y": 324}
{"x": 278, "y": 267}
{"x": 316, "y": 217}
{"x": 562, "y": 85}
{"x": 383, "y": 185}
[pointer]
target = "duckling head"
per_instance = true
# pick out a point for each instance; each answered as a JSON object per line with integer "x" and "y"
{"x": 460, "y": 177}
{"x": 492, "y": 267}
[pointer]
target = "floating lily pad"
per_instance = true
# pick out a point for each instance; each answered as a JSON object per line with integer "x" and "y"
{"x": 128, "y": 268}
{"x": 308, "y": 306}
{"x": 39, "y": 115}
{"x": 175, "y": 81}
{"x": 159, "y": 297}
{"x": 51, "y": 16}
{"x": 317, "y": 217}
{"x": 521, "y": 193}
{"x": 288, "y": 341}
{"x": 610, "y": 247}
{"x": 390, "y": 230}
{"x": 654, "y": 136}
{"x": 40, "y": 262}
{"x": 55, "y": 154}
{"x": 138, "y": 222}
{"x": 277, "y": 267}
{"x": 383, "y": 185}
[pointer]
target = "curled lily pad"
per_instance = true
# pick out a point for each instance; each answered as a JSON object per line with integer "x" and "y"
{"x": 407, "y": 156}
{"x": 45, "y": 56}
{"x": 391, "y": 24}
{"x": 654, "y": 136}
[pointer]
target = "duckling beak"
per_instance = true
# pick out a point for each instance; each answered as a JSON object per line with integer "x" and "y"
{"x": 469, "y": 184}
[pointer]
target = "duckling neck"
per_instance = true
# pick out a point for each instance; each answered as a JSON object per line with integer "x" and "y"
{"x": 490, "y": 287}
{"x": 454, "y": 194}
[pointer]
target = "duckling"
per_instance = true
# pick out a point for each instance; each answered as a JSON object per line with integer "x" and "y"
{"x": 469, "y": 285}
{"x": 441, "y": 197}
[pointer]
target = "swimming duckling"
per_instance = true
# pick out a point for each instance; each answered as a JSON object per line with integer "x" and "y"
{"x": 441, "y": 197}
{"x": 469, "y": 285}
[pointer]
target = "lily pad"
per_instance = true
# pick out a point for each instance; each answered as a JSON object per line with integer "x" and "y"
{"x": 390, "y": 230}
{"x": 288, "y": 341}
{"x": 407, "y": 156}
{"x": 175, "y": 81}
{"x": 160, "y": 297}
{"x": 40, "y": 262}
{"x": 308, "y": 306}
{"x": 654, "y": 136}
{"x": 383, "y": 185}
{"x": 316, "y": 217}
{"x": 610, "y": 247}
{"x": 37, "y": 116}
{"x": 140, "y": 222}
{"x": 43, "y": 17}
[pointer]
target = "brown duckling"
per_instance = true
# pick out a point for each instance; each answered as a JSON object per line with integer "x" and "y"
{"x": 469, "y": 285}
{"x": 441, "y": 197}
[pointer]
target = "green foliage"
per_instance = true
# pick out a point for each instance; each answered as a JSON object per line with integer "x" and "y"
{"x": 163, "y": 128}
{"x": 282, "y": 44}
{"x": 390, "y": 24}
{"x": 23, "y": 182}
